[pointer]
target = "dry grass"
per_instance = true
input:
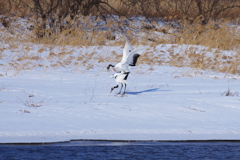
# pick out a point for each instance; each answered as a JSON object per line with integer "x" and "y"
{"x": 213, "y": 35}
{"x": 86, "y": 31}
{"x": 2, "y": 88}
{"x": 100, "y": 30}
{"x": 217, "y": 35}
{"x": 30, "y": 101}
{"x": 230, "y": 93}
{"x": 198, "y": 59}
{"x": 168, "y": 9}
{"x": 81, "y": 60}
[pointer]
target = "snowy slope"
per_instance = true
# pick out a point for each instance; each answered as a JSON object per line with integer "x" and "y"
{"x": 162, "y": 103}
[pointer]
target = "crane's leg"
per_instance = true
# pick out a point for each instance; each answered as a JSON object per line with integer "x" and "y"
{"x": 125, "y": 88}
{"x": 120, "y": 88}
{"x": 113, "y": 88}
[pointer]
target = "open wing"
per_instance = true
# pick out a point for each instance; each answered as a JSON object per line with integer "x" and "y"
{"x": 134, "y": 55}
{"x": 126, "y": 50}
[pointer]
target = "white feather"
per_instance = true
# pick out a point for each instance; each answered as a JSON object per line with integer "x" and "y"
{"x": 126, "y": 50}
{"x": 127, "y": 57}
{"x": 120, "y": 78}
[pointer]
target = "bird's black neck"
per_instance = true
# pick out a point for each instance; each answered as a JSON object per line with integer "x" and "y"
{"x": 110, "y": 65}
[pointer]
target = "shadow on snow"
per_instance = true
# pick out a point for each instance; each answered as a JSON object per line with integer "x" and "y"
{"x": 148, "y": 90}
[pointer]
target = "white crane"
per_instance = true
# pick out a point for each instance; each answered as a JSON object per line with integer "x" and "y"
{"x": 121, "y": 79}
{"x": 129, "y": 58}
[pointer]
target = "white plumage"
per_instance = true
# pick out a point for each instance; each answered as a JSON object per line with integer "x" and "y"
{"x": 121, "y": 79}
{"x": 129, "y": 58}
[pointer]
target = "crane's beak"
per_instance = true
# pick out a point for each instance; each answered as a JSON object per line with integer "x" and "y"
{"x": 111, "y": 90}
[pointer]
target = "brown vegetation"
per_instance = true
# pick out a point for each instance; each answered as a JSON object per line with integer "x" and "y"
{"x": 49, "y": 18}
{"x": 169, "y": 9}
{"x": 101, "y": 22}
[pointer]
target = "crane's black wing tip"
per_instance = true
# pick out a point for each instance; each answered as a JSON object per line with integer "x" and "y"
{"x": 134, "y": 60}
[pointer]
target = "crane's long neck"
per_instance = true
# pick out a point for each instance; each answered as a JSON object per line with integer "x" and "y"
{"x": 110, "y": 65}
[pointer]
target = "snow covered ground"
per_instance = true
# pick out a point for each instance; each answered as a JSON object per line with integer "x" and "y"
{"x": 161, "y": 103}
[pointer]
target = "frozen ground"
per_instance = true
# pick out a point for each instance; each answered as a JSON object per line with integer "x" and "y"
{"x": 61, "y": 106}
{"x": 162, "y": 103}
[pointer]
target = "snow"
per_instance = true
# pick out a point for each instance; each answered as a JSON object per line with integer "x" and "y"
{"x": 161, "y": 103}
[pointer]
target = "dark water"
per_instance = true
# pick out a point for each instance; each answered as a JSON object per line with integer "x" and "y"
{"x": 124, "y": 150}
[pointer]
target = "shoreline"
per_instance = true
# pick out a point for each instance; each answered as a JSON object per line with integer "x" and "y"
{"x": 122, "y": 141}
